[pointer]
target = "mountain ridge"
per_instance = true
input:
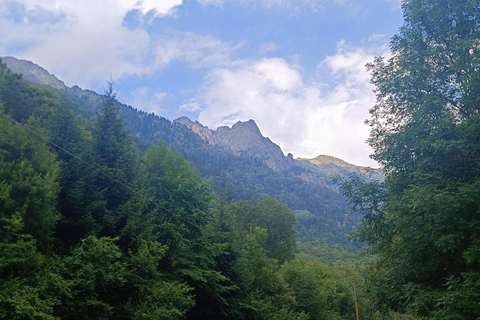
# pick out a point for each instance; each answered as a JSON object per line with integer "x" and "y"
{"x": 242, "y": 162}
{"x": 243, "y": 138}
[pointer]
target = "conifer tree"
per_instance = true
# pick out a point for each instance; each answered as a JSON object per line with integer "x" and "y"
{"x": 116, "y": 158}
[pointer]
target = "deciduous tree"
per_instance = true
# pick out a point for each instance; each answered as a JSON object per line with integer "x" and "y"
{"x": 423, "y": 222}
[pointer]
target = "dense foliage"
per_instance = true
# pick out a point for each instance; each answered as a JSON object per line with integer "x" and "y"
{"x": 243, "y": 177}
{"x": 423, "y": 223}
{"x": 92, "y": 227}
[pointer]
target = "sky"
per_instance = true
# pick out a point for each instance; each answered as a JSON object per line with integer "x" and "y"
{"x": 296, "y": 67}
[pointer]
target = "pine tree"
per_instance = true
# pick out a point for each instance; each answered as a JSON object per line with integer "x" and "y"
{"x": 116, "y": 158}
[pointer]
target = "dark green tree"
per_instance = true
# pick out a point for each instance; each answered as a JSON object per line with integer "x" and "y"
{"x": 422, "y": 223}
{"x": 252, "y": 262}
{"x": 273, "y": 216}
{"x": 174, "y": 209}
{"x": 29, "y": 174}
{"x": 116, "y": 158}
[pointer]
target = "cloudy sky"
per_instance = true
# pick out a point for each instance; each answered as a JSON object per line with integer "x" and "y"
{"x": 297, "y": 67}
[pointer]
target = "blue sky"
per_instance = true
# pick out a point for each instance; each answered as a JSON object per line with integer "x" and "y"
{"x": 297, "y": 67}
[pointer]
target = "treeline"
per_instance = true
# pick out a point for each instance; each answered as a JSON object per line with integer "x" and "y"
{"x": 243, "y": 178}
{"x": 92, "y": 227}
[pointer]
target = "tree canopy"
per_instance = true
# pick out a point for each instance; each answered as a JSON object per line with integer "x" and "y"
{"x": 423, "y": 222}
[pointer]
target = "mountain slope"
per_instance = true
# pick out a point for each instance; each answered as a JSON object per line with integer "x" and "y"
{"x": 236, "y": 160}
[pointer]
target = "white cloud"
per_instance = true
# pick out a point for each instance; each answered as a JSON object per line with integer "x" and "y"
{"x": 163, "y": 7}
{"x": 160, "y": 8}
{"x": 190, "y": 107}
{"x": 144, "y": 100}
{"x": 84, "y": 43}
{"x": 306, "y": 117}
{"x": 267, "y": 47}
{"x": 292, "y": 5}
{"x": 198, "y": 50}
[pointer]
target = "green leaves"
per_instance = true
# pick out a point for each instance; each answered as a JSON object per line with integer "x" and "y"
{"x": 271, "y": 215}
{"x": 422, "y": 223}
{"x": 147, "y": 244}
{"x": 28, "y": 174}
{"x": 317, "y": 292}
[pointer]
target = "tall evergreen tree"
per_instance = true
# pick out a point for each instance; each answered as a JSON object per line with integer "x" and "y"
{"x": 116, "y": 158}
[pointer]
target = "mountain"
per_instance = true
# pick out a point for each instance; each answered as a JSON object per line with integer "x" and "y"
{"x": 243, "y": 139}
{"x": 238, "y": 161}
{"x": 324, "y": 165}
{"x": 33, "y": 73}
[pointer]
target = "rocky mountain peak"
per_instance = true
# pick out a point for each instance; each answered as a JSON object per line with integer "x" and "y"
{"x": 249, "y": 127}
{"x": 243, "y": 139}
{"x": 242, "y": 136}
{"x": 32, "y": 72}
{"x": 329, "y": 166}
{"x": 185, "y": 121}
{"x": 203, "y": 132}
{"x": 325, "y": 159}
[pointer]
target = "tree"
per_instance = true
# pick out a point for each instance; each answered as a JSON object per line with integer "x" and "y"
{"x": 174, "y": 210}
{"x": 29, "y": 174}
{"x": 273, "y": 216}
{"x": 317, "y": 292}
{"x": 116, "y": 157}
{"x": 422, "y": 223}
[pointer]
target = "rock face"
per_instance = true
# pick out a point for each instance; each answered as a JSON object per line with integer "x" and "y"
{"x": 329, "y": 163}
{"x": 203, "y": 132}
{"x": 243, "y": 139}
{"x": 33, "y": 73}
{"x": 329, "y": 166}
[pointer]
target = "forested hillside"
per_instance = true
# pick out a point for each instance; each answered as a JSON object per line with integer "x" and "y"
{"x": 324, "y": 218}
{"x": 94, "y": 227}
{"x": 108, "y": 212}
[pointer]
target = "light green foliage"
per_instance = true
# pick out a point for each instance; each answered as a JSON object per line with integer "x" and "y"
{"x": 23, "y": 281}
{"x": 267, "y": 293}
{"x": 155, "y": 298}
{"x": 176, "y": 184}
{"x": 95, "y": 272}
{"x": 252, "y": 262}
{"x": 176, "y": 213}
{"x": 254, "y": 267}
{"x": 422, "y": 223}
{"x": 317, "y": 291}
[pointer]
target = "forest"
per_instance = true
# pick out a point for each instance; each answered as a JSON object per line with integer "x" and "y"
{"x": 92, "y": 227}
{"x": 96, "y": 223}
